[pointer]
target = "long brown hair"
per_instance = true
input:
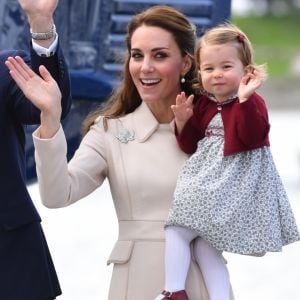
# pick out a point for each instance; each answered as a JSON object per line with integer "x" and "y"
{"x": 224, "y": 34}
{"x": 126, "y": 98}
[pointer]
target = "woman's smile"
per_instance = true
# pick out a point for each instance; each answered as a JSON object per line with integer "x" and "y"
{"x": 150, "y": 82}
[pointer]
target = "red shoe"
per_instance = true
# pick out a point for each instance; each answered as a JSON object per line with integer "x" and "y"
{"x": 179, "y": 295}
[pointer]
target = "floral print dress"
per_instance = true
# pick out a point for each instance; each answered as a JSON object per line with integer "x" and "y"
{"x": 237, "y": 203}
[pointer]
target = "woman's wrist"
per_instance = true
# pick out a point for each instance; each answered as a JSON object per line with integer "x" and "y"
{"x": 49, "y": 125}
{"x": 48, "y": 132}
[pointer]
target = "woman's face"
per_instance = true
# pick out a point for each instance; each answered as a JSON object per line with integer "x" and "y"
{"x": 156, "y": 65}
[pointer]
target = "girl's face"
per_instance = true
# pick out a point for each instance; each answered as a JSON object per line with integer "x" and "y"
{"x": 221, "y": 70}
{"x": 156, "y": 65}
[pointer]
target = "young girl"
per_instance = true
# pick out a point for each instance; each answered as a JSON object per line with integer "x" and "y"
{"x": 229, "y": 196}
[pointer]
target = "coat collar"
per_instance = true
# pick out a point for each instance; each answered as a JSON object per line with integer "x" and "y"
{"x": 144, "y": 123}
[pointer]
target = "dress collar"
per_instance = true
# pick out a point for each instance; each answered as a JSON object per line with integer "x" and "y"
{"x": 213, "y": 98}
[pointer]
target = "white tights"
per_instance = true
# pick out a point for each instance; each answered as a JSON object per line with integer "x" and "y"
{"x": 210, "y": 261}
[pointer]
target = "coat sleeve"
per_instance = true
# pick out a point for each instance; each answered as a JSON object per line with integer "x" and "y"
{"x": 62, "y": 183}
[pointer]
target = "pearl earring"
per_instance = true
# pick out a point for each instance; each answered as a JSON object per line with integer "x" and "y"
{"x": 182, "y": 80}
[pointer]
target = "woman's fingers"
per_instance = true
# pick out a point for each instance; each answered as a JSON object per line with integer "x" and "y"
{"x": 20, "y": 72}
{"x": 21, "y": 67}
{"x": 15, "y": 74}
{"x": 25, "y": 69}
{"x": 45, "y": 74}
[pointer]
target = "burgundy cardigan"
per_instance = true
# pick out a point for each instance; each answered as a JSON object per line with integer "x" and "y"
{"x": 246, "y": 125}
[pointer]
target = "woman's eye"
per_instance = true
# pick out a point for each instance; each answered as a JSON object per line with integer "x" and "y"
{"x": 136, "y": 55}
{"x": 161, "y": 55}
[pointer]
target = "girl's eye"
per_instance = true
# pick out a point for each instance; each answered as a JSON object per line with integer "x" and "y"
{"x": 227, "y": 66}
{"x": 208, "y": 69}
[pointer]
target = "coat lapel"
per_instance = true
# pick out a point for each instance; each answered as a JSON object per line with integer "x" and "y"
{"x": 144, "y": 123}
{"x": 138, "y": 126}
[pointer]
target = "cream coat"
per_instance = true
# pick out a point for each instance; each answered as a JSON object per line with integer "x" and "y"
{"x": 142, "y": 175}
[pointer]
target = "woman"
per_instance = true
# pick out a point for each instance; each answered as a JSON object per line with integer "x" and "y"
{"x": 130, "y": 142}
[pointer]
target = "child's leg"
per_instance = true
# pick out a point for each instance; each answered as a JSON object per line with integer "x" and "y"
{"x": 177, "y": 257}
{"x": 214, "y": 270}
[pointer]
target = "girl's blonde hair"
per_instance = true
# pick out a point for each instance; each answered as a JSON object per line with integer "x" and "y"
{"x": 229, "y": 33}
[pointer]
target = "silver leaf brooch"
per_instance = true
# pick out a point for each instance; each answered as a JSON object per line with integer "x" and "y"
{"x": 124, "y": 136}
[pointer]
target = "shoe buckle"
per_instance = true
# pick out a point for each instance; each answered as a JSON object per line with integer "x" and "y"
{"x": 167, "y": 294}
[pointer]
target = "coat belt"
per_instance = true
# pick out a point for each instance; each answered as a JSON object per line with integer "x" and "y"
{"x": 141, "y": 230}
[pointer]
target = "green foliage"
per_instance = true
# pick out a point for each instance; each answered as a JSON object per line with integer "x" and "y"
{"x": 275, "y": 40}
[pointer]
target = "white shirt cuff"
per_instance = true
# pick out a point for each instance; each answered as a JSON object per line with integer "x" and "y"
{"x": 41, "y": 51}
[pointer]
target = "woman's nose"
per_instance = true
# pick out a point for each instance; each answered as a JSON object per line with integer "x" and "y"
{"x": 147, "y": 66}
